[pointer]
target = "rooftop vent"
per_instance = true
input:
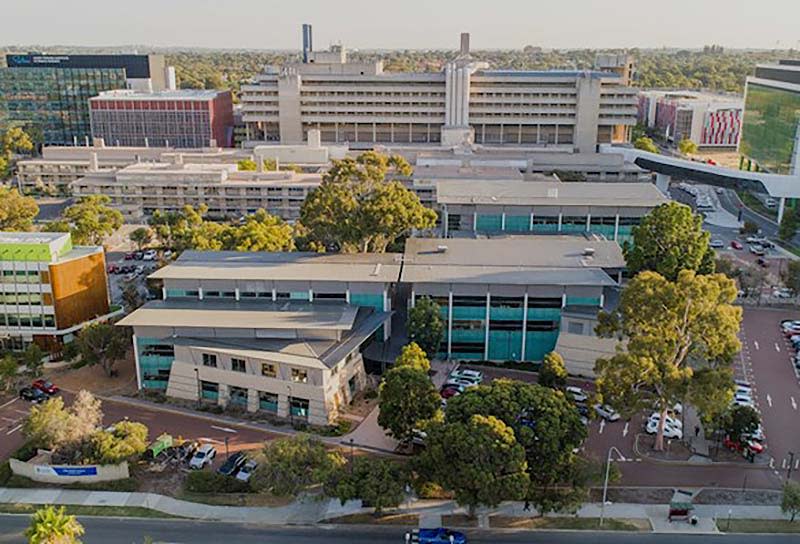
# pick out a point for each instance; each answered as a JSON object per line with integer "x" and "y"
{"x": 588, "y": 252}
{"x": 441, "y": 249}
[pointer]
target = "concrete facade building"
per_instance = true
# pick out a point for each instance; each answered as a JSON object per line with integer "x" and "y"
{"x": 360, "y": 104}
{"x": 49, "y": 289}
{"x": 184, "y": 119}
{"x": 276, "y": 332}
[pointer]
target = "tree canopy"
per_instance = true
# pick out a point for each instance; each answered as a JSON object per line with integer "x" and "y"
{"x": 52, "y": 426}
{"x": 687, "y": 147}
{"x": 293, "y": 463}
{"x": 667, "y": 325}
{"x": 670, "y": 239}
{"x": 141, "y": 237}
{"x": 412, "y": 356}
{"x": 356, "y": 209}
{"x": 407, "y": 400}
{"x": 553, "y": 372}
{"x": 103, "y": 344}
{"x": 17, "y": 212}
{"x": 425, "y": 325}
{"x": 645, "y": 144}
{"x": 377, "y": 481}
{"x": 89, "y": 220}
{"x": 51, "y": 525}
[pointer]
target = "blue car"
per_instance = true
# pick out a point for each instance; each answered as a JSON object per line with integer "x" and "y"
{"x": 441, "y": 536}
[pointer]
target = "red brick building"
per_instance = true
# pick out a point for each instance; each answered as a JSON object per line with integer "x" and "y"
{"x": 183, "y": 119}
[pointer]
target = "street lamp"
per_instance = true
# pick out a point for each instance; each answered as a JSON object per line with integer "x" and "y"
{"x": 289, "y": 404}
{"x": 791, "y": 463}
{"x": 352, "y": 454}
{"x": 199, "y": 389}
{"x": 605, "y": 481}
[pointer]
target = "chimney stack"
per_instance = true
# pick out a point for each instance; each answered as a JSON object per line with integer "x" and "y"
{"x": 465, "y": 44}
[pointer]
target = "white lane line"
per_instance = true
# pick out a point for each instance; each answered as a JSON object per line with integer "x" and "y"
{"x": 794, "y": 403}
{"x": 224, "y": 429}
{"x": 797, "y": 464}
{"x": 625, "y": 431}
{"x": 12, "y": 401}
{"x": 213, "y": 441}
{"x": 755, "y": 344}
{"x": 777, "y": 347}
{"x": 602, "y": 425}
{"x": 9, "y": 419}
{"x": 769, "y": 400}
{"x": 771, "y": 462}
{"x": 15, "y": 429}
{"x": 783, "y": 465}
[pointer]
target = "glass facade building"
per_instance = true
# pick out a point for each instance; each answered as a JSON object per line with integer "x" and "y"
{"x": 54, "y": 100}
{"x": 770, "y": 126}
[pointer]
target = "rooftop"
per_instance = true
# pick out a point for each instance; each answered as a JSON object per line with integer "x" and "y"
{"x": 183, "y": 94}
{"x": 243, "y": 315}
{"x": 298, "y": 266}
{"x": 520, "y": 260}
{"x": 548, "y": 193}
{"x": 31, "y": 237}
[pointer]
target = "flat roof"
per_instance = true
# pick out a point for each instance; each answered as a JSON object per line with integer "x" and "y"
{"x": 548, "y": 193}
{"x": 31, "y": 237}
{"x": 297, "y": 266}
{"x": 183, "y": 94}
{"x": 517, "y": 260}
{"x": 243, "y": 315}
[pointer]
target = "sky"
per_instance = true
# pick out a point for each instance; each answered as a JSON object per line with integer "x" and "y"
{"x": 403, "y": 24}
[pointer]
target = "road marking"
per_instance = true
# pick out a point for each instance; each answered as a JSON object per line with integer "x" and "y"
{"x": 15, "y": 429}
{"x": 769, "y": 400}
{"x": 777, "y": 347}
{"x": 755, "y": 344}
{"x": 783, "y": 465}
{"x": 12, "y": 401}
{"x": 797, "y": 464}
{"x": 625, "y": 431}
{"x": 10, "y": 420}
{"x": 224, "y": 429}
{"x": 602, "y": 425}
{"x": 213, "y": 441}
{"x": 794, "y": 404}
{"x": 771, "y": 462}
{"x": 23, "y": 412}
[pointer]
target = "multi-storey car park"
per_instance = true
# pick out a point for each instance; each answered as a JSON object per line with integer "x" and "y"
{"x": 359, "y": 103}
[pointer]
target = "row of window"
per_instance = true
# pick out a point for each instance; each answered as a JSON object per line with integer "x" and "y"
{"x": 32, "y": 299}
{"x": 268, "y": 370}
{"x": 25, "y": 276}
{"x": 298, "y": 407}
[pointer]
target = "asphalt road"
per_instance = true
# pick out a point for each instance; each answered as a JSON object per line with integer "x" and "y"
{"x": 130, "y": 531}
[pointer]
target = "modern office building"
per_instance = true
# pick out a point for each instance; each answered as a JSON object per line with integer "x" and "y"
{"x": 50, "y": 93}
{"x": 507, "y": 299}
{"x": 610, "y": 210}
{"x": 771, "y": 128}
{"x": 277, "y": 332}
{"x": 708, "y": 120}
{"x": 49, "y": 289}
{"x": 184, "y": 119}
{"x": 359, "y": 103}
{"x": 140, "y": 189}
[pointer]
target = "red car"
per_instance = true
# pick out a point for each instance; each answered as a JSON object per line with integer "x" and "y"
{"x": 735, "y": 244}
{"x": 739, "y": 445}
{"x": 112, "y": 269}
{"x": 449, "y": 392}
{"x": 45, "y": 387}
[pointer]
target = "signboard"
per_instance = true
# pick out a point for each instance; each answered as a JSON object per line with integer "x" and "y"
{"x": 69, "y": 471}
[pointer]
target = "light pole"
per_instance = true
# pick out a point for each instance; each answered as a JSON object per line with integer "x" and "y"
{"x": 352, "y": 454}
{"x": 199, "y": 389}
{"x": 605, "y": 481}
{"x": 791, "y": 462}
{"x": 289, "y": 405}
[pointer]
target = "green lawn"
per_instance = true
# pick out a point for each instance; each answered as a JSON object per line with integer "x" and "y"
{"x": 573, "y": 523}
{"x": 758, "y": 526}
{"x": 79, "y": 510}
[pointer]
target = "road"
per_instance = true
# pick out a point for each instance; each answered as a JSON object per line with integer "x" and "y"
{"x": 12, "y": 412}
{"x": 130, "y": 531}
{"x": 731, "y": 203}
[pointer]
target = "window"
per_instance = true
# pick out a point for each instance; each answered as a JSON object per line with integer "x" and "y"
{"x": 575, "y": 327}
{"x": 238, "y": 395}
{"x": 269, "y": 370}
{"x": 209, "y": 360}
{"x": 300, "y": 376}
{"x": 209, "y": 390}
{"x": 268, "y": 402}
{"x": 298, "y": 407}
{"x": 238, "y": 365}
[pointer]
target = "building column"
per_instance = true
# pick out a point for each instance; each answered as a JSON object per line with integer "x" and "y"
{"x": 236, "y": 293}
{"x": 616, "y": 227}
{"x": 560, "y": 215}
{"x": 274, "y": 294}
{"x": 387, "y": 328}
{"x": 781, "y": 207}
{"x": 449, "y": 323}
{"x": 224, "y": 396}
{"x": 163, "y": 293}
{"x": 444, "y": 221}
{"x": 136, "y": 363}
{"x": 310, "y": 295}
{"x": 503, "y": 221}
{"x": 524, "y": 325}
{"x": 347, "y": 295}
{"x": 486, "y": 334}
{"x": 588, "y": 221}
{"x": 252, "y": 400}
{"x": 564, "y": 299}
{"x": 413, "y": 299}
{"x": 475, "y": 221}
{"x": 530, "y": 226}
{"x": 200, "y": 293}
{"x": 662, "y": 182}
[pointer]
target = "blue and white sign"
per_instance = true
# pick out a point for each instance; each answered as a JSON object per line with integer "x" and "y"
{"x": 67, "y": 471}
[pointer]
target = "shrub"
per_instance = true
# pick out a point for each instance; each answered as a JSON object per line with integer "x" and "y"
{"x": 210, "y": 482}
{"x": 5, "y": 473}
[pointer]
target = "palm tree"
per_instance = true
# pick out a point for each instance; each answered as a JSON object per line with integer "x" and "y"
{"x": 53, "y": 526}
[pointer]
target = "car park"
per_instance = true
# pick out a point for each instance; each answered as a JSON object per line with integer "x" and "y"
{"x": 735, "y": 244}
{"x": 246, "y": 471}
{"x": 655, "y": 416}
{"x": 203, "y": 457}
{"x": 670, "y": 431}
{"x": 716, "y": 244}
{"x": 31, "y": 394}
{"x": 149, "y": 255}
{"x": 112, "y": 268}
{"x": 45, "y": 386}
{"x": 128, "y": 256}
{"x": 132, "y": 276}
{"x": 138, "y": 255}
{"x": 232, "y": 464}
{"x": 606, "y": 412}
{"x": 577, "y": 394}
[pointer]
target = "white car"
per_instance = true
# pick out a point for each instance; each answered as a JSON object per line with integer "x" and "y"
{"x": 203, "y": 457}
{"x": 716, "y": 244}
{"x": 758, "y": 434}
{"x": 743, "y": 401}
{"x": 743, "y": 396}
{"x": 757, "y": 249}
{"x": 744, "y": 391}
{"x": 467, "y": 374}
{"x": 655, "y": 416}
{"x": 606, "y": 412}
{"x": 783, "y": 292}
{"x": 246, "y": 471}
{"x": 460, "y": 381}
{"x": 149, "y": 255}
{"x": 577, "y": 394}
{"x": 743, "y": 383}
{"x": 670, "y": 431}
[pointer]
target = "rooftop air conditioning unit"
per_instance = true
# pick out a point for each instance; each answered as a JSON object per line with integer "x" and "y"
{"x": 588, "y": 252}
{"x": 441, "y": 249}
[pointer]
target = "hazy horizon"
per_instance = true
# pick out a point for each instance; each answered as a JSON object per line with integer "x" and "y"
{"x": 501, "y": 24}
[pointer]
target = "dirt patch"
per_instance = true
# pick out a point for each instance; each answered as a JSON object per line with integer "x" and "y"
{"x": 459, "y": 520}
{"x": 736, "y": 496}
{"x": 574, "y": 523}
{"x": 361, "y": 406}
{"x": 639, "y": 495}
{"x": 94, "y": 378}
{"x": 383, "y": 519}
{"x": 674, "y": 450}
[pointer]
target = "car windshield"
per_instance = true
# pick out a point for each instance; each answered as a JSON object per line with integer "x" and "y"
{"x": 200, "y": 454}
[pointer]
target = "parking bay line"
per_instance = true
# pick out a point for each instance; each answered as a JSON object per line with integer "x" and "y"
{"x": 15, "y": 429}
{"x": 12, "y": 401}
{"x": 602, "y": 425}
{"x": 625, "y": 431}
{"x": 755, "y": 344}
{"x": 794, "y": 404}
{"x": 769, "y": 400}
{"x": 777, "y": 347}
{"x": 224, "y": 429}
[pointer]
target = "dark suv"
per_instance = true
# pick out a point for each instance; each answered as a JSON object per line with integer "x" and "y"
{"x": 232, "y": 465}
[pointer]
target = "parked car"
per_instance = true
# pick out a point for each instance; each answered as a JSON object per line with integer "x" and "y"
{"x": 131, "y": 276}
{"x": 762, "y": 262}
{"x": 112, "y": 268}
{"x": 460, "y": 381}
{"x": 655, "y": 416}
{"x": 716, "y": 244}
{"x": 670, "y": 431}
{"x": 789, "y": 323}
{"x": 735, "y": 244}
{"x": 31, "y": 394}
{"x": 743, "y": 383}
{"x": 583, "y": 410}
{"x": 45, "y": 386}
{"x": 783, "y": 292}
{"x": 757, "y": 249}
{"x": 232, "y": 465}
{"x": 450, "y": 392}
{"x": 439, "y": 536}
{"x": 757, "y": 435}
{"x": 246, "y": 471}
{"x": 168, "y": 254}
{"x": 137, "y": 255}
{"x": 606, "y": 412}
{"x": 743, "y": 445}
{"x": 467, "y": 374}
{"x": 203, "y": 457}
{"x": 149, "y": 255}
{"x": 139, "y": 269}
{"x": 577, "y": 394}
{"x": 128, "y": 256}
